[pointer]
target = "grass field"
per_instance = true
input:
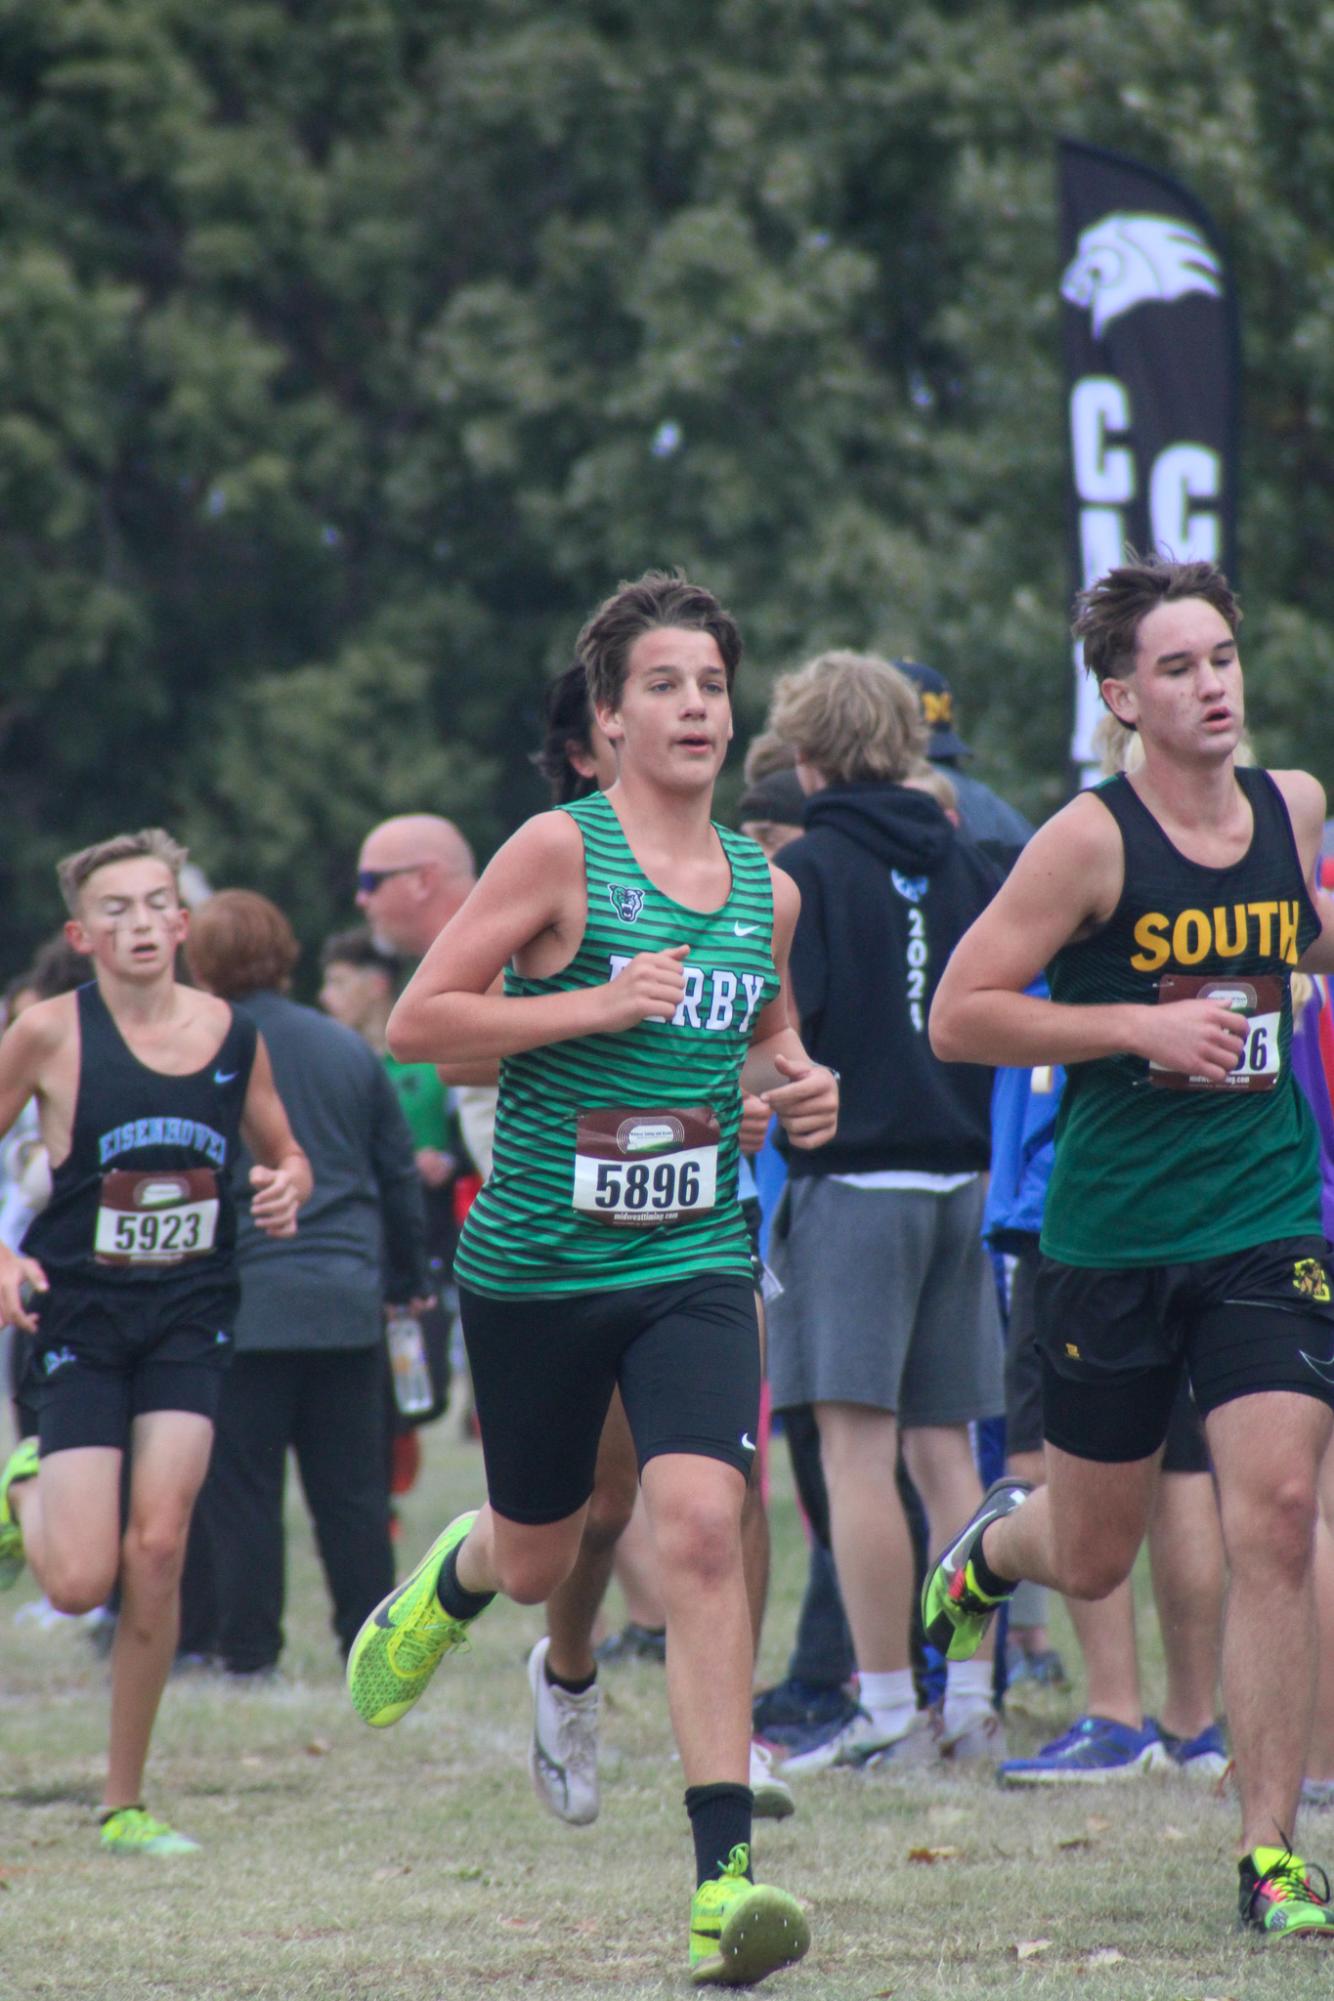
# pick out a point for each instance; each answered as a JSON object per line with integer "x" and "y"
{"x": 415, "y": 1865}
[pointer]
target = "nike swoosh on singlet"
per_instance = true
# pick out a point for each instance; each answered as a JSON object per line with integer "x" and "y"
{"x": 225, "y": 1076}
{"x": 744, "y": 930}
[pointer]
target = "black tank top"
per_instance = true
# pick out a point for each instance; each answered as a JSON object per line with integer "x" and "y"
{"x": 145, "y": 1192}
{"x": 1163, "y": 1169}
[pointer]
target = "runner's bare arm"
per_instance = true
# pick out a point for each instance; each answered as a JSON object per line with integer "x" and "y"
{"x": 1066, "y": 882}
{"x": 533, "y": 888}
{"x": 281, "y": 1178}
{"x": 777, "y": 1068}
{"x": 1304, "y": 797}
{"x": 485, "y": 1072}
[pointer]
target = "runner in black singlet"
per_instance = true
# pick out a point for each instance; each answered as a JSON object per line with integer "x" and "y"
{"x": 145, "y": 1090}
{"x": 1182, "y": 1228}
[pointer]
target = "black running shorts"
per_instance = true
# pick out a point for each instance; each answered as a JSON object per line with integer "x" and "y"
{"x": 103, "y": 1356}
{"x": 685, "y": 1356}
{"x": 1114, "y": 1343}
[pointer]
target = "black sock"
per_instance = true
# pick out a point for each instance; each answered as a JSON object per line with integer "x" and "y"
{"x": 454, "y": 1598}
{"x": 720, "y": 1818}
{"x": 994, "y": 1586}
{"x": 571, "y": 1687}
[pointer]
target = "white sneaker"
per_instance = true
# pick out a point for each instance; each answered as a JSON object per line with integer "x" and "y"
{"x": 563, "y": 1754}
{"x": 861, "y": 1744}
{"x": 981, "y": 1740}
{"x": 773, "y": 1799}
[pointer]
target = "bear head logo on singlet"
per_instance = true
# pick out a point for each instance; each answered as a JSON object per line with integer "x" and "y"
{"x": 626, "y": 902}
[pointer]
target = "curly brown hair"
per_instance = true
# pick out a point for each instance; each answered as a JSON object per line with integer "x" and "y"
{"x": 658, "y": 598}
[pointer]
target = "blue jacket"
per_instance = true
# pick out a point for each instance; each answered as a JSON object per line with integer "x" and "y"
{"x": 1024, "y": 1104}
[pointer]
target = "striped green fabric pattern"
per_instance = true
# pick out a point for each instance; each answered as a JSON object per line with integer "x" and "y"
{"x": 523, "y": 1234}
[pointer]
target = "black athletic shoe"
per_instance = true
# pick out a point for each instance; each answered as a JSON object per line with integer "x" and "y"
{"x": 632, "y": 1643}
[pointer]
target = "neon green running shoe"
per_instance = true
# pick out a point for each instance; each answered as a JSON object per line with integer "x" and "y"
{"x": 1283, "y": 1896}
{"x": 740, "y": 1931}
{"x": 406, "y": 1637}
{"x": 21, "y": 1465}
{"x": 956, "y": 1611}
{"x": 131, "y": 1831}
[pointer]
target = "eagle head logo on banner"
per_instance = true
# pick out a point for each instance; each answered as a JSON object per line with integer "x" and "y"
{"x": 1149, "y": 338}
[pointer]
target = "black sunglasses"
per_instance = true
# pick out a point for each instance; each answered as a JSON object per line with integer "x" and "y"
{"x": 369, "y": 879}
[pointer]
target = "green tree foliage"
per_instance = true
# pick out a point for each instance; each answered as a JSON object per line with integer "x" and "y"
{"x": 350, "y": 351}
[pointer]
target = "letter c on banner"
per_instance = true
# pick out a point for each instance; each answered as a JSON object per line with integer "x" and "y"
{"x": 1183, "y": 473}
{"x": 1099, "y": 406}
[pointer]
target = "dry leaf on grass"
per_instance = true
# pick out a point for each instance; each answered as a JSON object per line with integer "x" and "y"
{"x": 1075, "y": 1841}
{"x": 318, "y": 1747}
{"x": 932, "y": 1854}
{"x": 1029, "y": 1948}
{"x": 1097, "y": 1823}
{"x": 391, "y": 1869}
{"x": 1105, "y": 1955}
{"x": 518, "y": 1924}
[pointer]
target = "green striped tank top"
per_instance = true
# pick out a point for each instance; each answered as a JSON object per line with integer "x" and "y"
{"x": 524, "y": 1234}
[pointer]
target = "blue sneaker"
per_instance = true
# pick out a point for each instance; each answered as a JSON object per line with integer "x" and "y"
{"x": 1203, "y": 1757}
{"x": 1092, "y": 1751}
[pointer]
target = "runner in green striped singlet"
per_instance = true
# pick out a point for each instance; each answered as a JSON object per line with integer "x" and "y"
{"x": 1182, "y": 1227}
{"x": 644, "y": 951}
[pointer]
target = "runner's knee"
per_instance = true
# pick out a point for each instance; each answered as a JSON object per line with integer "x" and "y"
{"x": 75, "y": 1584}
{"x": 1275, "y": 1527}
{"x": 699, "y": 1541}
{"x": 609, "y": 1511}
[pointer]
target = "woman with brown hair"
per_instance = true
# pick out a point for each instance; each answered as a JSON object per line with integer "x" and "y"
{"x": 308, "y": 1369}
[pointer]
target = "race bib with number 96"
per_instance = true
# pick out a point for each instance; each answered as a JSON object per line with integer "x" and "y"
{"x": 1260, "y": 999}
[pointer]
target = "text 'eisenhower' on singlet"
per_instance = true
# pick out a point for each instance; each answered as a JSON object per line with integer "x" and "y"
{"x": 145, "y": 1190}
{"x": 616, "y": 1155}
{"x": 1157, "y": 1169}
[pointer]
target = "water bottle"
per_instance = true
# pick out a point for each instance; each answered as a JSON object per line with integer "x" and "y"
{"x": 413, "y": 1390}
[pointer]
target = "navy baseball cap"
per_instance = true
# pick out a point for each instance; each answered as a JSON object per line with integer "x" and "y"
{"x": 937, "y": 699}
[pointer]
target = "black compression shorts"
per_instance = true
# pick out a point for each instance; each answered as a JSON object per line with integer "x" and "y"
{"x": 686, "y": 1357}
{"x": 1114, "y": 1343}
{"x": 103, "y": 1356}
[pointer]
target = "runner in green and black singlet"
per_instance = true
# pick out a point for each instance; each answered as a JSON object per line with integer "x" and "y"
{"x": 1182, "y": 1227}
{"x": 525, "y": 1233}
{"x": 643, "y": 950}
{"x": 1148, "y": 1175}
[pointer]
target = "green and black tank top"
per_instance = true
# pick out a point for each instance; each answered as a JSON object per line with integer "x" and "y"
{"x": 1160, "y": 1169}
{"x": 524, "y": 1233}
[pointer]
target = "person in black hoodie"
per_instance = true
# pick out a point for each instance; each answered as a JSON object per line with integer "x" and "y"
{"x": 888, "y": 1320}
